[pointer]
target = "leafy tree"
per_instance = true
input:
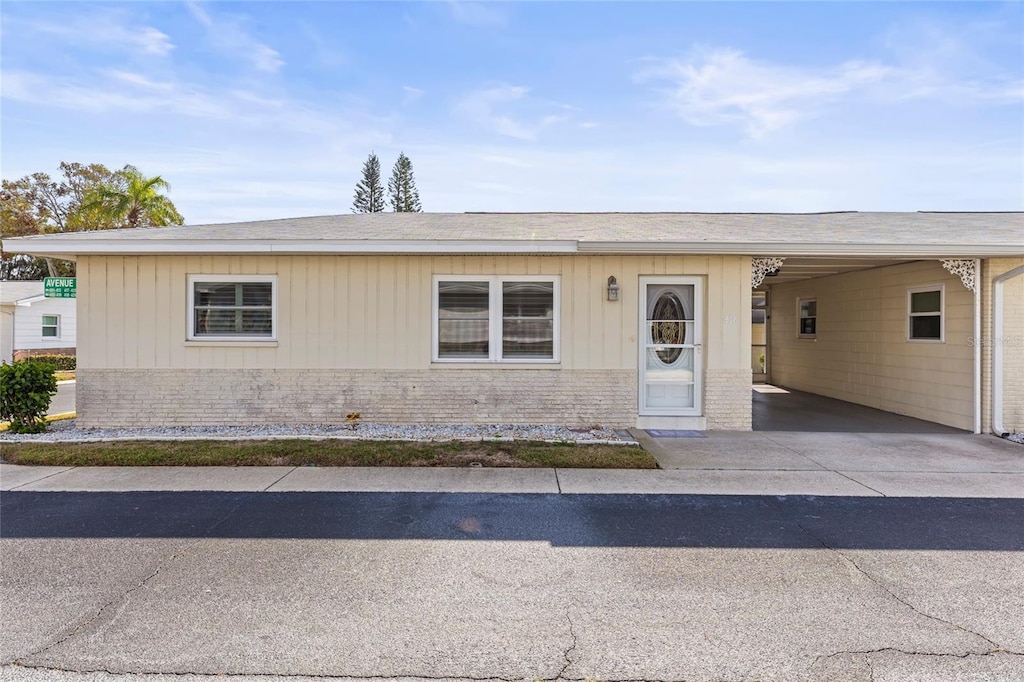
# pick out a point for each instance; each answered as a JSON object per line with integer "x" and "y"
{"x": 369, "y": 196}
{"x": 131, "y": 200}
{"x": 402, "y": 187}
{"x": 37, "y": 204}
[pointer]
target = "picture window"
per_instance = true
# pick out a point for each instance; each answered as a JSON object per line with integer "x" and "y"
{"x": 495, "y": 318}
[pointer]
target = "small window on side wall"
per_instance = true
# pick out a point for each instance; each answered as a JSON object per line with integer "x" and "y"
{"x": 925, "y": 312}
{"x": 232, "y": 307}
{"x": 51, "y": 326}
{"x": 807, "y": 314}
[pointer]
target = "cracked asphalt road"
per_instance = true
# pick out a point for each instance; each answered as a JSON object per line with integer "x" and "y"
{"x": 296, "y": 586}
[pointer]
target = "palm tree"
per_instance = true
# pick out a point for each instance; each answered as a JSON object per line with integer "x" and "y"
{"x": 133, "y": 200}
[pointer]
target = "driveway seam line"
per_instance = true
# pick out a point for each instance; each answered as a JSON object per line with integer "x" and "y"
{"x": 287, "y": 473}
{"x": 858, "y": 482}
{"x": 55, "y": 473}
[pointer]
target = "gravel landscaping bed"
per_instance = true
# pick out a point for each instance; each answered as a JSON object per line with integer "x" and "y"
{"x": 1016, "y": 438}
{"x": 66, "y": 431}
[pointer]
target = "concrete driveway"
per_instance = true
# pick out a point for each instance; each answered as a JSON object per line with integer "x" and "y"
{"x": 919, "y": 464}
{"x": 511, "y": 587}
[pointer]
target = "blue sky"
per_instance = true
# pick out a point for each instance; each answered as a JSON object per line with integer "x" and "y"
{"x": 268, "y": 109}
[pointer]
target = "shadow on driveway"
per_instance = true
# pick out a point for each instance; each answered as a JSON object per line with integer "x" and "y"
{"x": 560, "y": 520}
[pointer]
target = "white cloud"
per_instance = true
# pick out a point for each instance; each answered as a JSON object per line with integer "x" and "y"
{"x": 479, "y": 14}
{"x": 106, "y": 31}
{"x": 720, "y": 86}
{"x": 115, "y": 92}
{"x": 509, "y": 110}
{"x": 227, "y": 35}
{"x": 715, "y": 86}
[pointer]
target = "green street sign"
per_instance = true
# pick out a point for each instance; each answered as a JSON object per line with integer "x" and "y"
{"x": 59, "y": 287}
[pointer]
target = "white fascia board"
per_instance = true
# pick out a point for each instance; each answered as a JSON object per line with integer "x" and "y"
{"x": 126, "y": 247}
{"x": 808, "y": 249}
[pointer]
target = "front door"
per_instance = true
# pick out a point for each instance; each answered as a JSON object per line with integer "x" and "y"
{"x": 671, "y": 357}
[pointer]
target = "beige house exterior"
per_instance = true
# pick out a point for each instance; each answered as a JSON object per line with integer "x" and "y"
{"x": 621, "y": 320}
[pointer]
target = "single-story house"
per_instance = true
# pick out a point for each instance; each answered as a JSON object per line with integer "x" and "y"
{"x": 619, "y": 319}
{"x": 31, "y": 324}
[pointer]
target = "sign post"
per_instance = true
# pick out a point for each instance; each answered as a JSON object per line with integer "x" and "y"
{"x": 59, "y": 287}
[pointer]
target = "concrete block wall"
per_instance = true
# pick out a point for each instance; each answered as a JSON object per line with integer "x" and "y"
{"x": 126, "y": 398}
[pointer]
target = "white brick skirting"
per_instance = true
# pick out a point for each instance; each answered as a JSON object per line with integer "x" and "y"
{"x": 180, "y": 397}
{"x": 124, "y": 398}
{"x": 727, "y": 399}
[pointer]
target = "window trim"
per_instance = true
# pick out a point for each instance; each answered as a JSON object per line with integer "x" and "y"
{"x": 231, "y": 279}
{"x": 43, "y": 326}
{"x": 920, "y": 289}
{"x": 799, "y": 318}
{"x": 494, "y": 319}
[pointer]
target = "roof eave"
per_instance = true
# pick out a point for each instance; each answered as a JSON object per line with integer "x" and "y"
{"x": 794, "y": 249}
{"x": 69, "y": 247}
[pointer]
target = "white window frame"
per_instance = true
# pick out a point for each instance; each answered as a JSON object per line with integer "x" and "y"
{"x": 494, "y": 318}
{"x": 799, "y": 318}
{"x": 43, "y": 326}
{"x": 924, "y": 288}
{"x": 232, "y": 279}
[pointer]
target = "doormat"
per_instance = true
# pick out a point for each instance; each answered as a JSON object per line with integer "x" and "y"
{"x": 674, "y": 433}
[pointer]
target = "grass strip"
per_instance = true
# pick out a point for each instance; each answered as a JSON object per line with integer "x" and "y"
{"x": 329, "y": 453}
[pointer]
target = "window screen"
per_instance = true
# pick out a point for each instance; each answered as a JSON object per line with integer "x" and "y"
{"x": 243, "y": 309}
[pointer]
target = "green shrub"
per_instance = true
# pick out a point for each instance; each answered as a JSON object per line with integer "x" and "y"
{"x": 61, "y": 363}
{"x": 25, "y": 391}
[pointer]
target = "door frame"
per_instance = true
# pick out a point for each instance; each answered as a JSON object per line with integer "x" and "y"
{"x": 698, "y": 345}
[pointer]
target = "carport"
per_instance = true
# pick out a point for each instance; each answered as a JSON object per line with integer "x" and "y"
{"x": 866, "y": 344}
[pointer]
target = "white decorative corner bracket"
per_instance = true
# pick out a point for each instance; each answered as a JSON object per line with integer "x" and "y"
{"x": 962, "y": 268}
{"x": 760, "y": 267}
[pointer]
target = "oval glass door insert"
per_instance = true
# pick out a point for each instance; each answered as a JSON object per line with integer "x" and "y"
{"x": 667, "y": 326}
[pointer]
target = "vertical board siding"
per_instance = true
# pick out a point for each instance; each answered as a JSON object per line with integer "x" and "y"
{"x": 374, "y": 312}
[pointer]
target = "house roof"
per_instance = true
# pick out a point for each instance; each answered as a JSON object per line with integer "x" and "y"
{"x": 776, "y": 234}
{"x": 12, "y": 292}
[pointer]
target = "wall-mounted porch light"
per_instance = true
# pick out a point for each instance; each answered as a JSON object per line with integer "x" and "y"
{"x": 613, "y": 289}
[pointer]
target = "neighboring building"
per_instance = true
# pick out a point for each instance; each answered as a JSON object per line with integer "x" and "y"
{"x": 614, "y": 319}
{"x": 31, "y": 324}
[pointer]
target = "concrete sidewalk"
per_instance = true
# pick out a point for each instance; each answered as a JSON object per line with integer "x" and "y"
{"x": 816, "y": 482}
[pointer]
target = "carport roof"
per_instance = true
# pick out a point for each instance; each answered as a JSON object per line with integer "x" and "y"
{"x": 852, "y": 233}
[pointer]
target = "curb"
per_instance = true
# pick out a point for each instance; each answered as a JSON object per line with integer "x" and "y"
{"x": 4, "y": 426}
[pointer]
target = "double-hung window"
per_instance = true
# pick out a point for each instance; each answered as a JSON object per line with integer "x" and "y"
{"x": 924, "y": 313}
{"x": 506, "y": 318}
{"x": 232, "y": 307}
{"x": 807, "y": 313}
{"x": 51, "y": 326}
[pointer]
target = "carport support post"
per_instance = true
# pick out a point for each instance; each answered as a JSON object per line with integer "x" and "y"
{"x": 969, "y": 272}
{"x": 997, "y": 348}
{"x": 977, "y": 345}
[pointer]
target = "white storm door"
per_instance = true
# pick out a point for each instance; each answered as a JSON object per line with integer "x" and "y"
{"x": 671, "y": 350}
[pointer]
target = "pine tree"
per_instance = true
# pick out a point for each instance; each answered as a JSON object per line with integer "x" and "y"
{"x": 402, "y": 187}
{"x": 369, "y": 192}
